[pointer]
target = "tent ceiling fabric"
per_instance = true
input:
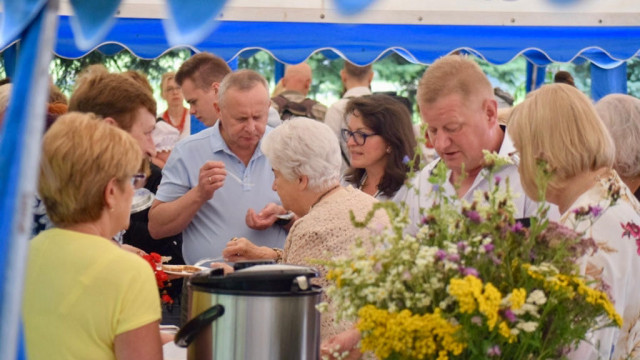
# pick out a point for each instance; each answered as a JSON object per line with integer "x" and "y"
{"x": 291, "y": 42}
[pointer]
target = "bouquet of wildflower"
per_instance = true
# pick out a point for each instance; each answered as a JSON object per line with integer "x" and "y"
{"x": 474, "y": 283}
{"x": 162, "y": 279}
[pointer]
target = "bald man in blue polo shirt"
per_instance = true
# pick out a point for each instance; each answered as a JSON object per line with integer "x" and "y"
{"x": 214, "y": 179}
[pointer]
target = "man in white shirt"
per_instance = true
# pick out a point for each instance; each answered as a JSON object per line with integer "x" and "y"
{"x": 457, "y": 103}
{"x": 357, "y": 82}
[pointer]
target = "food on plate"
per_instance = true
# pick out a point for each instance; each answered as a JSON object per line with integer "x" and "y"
{"x": 181, "y": 268}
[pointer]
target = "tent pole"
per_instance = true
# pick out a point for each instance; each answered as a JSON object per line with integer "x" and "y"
{"x": 19, "y": 158}
{"x": 535, "y": 76}
{"x": 10, "y": 57}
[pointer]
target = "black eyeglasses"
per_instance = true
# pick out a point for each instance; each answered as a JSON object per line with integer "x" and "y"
{"x": 138, "y": 180}
{"x": 358, "y": 136}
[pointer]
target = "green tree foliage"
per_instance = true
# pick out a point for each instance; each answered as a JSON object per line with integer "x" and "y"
{"x": 65, "y": 71}
{"x": 633, "y": 77}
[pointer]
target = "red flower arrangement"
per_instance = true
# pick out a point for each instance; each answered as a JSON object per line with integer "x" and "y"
{"x": 162, "y": 279}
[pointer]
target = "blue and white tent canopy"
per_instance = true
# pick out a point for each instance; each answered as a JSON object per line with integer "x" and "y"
{"x": 606, "y": 33}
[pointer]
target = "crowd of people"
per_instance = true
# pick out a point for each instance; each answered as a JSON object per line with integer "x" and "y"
{"x": 221, "y": 193}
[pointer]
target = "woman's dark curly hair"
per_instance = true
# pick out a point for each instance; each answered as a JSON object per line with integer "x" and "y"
{"x": 390, "y": 119}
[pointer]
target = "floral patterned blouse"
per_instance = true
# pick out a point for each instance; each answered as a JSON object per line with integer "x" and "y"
{"x": 610, "y": 214}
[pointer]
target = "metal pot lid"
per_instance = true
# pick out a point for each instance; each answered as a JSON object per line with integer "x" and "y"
{"x": 258, "y": 279}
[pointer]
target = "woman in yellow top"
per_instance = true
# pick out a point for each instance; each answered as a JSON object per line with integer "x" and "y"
{"x": 85, "y": 298}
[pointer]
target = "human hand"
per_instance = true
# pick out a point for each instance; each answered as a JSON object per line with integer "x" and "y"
{"x": 342, "y": 346}
{"x": 226, "y": 267}
{"x": 241, "y": 249}
{"x": 211, "y": 178}
{"x": 265, "y": 218}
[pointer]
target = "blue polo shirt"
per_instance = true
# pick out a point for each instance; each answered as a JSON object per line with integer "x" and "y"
{"x": 223, "y": 216}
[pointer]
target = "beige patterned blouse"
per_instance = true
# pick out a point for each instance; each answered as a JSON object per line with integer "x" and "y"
{"x": 327, "y": 231}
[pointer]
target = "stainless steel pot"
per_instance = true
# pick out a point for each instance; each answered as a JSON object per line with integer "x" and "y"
{"x": 261, "y": 312}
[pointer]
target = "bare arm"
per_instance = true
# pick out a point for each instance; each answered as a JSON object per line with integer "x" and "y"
{"x": 170, "y": 218}
{"x": 140, "y": 343}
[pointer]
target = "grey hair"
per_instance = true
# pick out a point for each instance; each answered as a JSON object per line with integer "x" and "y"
{"x": 302, "y": 146}
{"x": 242, "y": 80}
{"x": 621, "y": 115}
{"x": 5, "y": 95}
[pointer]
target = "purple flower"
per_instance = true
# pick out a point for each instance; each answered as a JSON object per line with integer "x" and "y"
{"x": 405, "y": 159}
{"x": 462, "y": 245}
{"x": 453, "y": 257}
{"x": 498, "y": 179}
{"x": 509, "y": 315}
{"x": 489, "y": 247}
{"x": 473, "y": 216}
{"x": 441, "y": 254}
{"x": 494, "y": 351}
{"x": 470, "y": 271}
{"x": 595, "y": 211}
{"x": 436, "y": 187}
{"x": 517, "y": 227}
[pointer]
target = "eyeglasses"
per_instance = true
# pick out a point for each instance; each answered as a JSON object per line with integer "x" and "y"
{"x": 358, "y": 136}
{"x": 138, "y": 180}
{"x": 171, "y": 89}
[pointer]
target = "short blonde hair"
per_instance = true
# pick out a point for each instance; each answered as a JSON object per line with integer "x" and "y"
{"x": 81, "y": 154}
{"x": 166, "y": 77}
{"x": 243, "y": 80}
{"x": 558, "y": 124}
{"x": 621, "y": 115}
{"x": 453, "y": 74}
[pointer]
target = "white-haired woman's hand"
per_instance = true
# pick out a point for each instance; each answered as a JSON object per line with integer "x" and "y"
{"x": 265, "y": 218}
{"x": 344, "y": 345}
{"x": 241, "y": 249}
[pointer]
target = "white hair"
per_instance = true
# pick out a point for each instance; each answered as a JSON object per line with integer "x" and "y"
{"x": 5, "y": 95}
{"x": 621, "y": 114}
{"x": 302, "y": 146}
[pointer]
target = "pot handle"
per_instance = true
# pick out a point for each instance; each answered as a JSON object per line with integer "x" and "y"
{"x": 192, "y": 328}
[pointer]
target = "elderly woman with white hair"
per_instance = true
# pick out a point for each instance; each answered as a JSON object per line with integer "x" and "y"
{"x": 621, "y": 114}
{"x": 305, "y": 157}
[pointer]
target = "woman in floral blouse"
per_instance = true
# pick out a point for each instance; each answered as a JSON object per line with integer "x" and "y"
{"x": 558, "y": 127}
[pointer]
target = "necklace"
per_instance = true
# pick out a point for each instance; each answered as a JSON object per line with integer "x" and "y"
{"x": 324, "y": 194}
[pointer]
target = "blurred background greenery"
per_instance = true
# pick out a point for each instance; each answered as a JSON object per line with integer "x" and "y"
{"x": 392, "y": 73}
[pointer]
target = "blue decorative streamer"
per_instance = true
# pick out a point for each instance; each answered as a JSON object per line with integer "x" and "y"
{"x": 92, "y": 21}
{"x": 191, "y": 21}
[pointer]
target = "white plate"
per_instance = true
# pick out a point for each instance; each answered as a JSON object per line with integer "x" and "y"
{"x": 180, "y": 269}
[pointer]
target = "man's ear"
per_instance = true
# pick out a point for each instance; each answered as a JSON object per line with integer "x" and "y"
{"x": 215, "y": 87}
{"x": 111, "y": 121}
{"x": 491, "y": 110}
{"x": 370, "y": 78}
{"x": 343, "y": 77}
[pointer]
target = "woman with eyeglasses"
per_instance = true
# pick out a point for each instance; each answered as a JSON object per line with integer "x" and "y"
{"x": 84, "y": 297}
{"x": 176, "y": 114}
{"x": 381, "y": 141}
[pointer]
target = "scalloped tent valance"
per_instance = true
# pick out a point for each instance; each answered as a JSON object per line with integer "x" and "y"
{"x": 289, "y": 42}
